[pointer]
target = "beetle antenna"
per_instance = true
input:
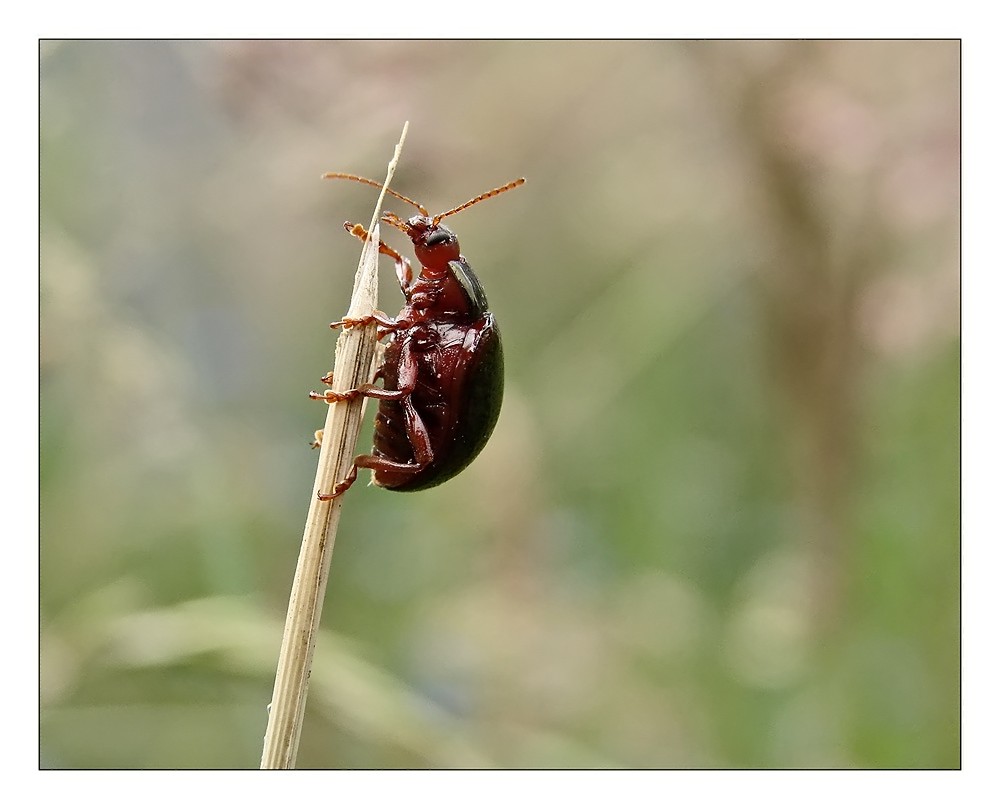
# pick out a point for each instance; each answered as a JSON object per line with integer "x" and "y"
{"x": 480, "y": 198}
{"x": 336, "y": 175}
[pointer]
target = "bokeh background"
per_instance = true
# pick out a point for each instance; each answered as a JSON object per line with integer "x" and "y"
{"x": 717, "y": 524}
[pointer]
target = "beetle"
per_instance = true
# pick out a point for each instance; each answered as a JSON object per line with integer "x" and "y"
{"x": 443, "y": 367}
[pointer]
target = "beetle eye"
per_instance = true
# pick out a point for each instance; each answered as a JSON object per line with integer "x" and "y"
{"x": 439, "y": 236}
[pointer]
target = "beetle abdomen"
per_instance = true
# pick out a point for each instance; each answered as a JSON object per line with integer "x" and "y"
{"x": 459, "y": 416}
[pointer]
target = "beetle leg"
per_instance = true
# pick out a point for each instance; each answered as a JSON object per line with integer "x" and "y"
{"x": 331, "y": 396}
{"x": 404, "y": 274}
{"x": 365, "y": 389}
{"x": 416, "y": 430}
{"x": 362, "y": 233}
{"x": 343, "y": 486}
{"x": 379, "y": 464}
{"x": 403, "y": 270}
{"x": 420, "y": 440}
{"x": 386, "y": 323}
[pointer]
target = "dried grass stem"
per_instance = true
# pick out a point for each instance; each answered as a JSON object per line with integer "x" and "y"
{"x": 354, "y": 363}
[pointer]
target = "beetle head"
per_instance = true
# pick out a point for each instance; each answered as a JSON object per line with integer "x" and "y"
{"x": 433, "y": 243}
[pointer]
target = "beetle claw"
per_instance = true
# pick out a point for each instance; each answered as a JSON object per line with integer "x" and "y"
{"x": 351, "y": 322}
{"x": 385, "y": 323}
{"x": 343, "y": 486}
{"x": 332, "y": 397}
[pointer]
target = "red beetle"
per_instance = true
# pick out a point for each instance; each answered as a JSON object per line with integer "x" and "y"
{"x": 443, "y": 366}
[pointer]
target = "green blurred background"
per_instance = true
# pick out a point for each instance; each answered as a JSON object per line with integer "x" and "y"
{"x": 717, "y": 524}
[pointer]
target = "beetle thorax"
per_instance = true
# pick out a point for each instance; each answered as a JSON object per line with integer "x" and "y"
{"x": 440, "y": 296}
